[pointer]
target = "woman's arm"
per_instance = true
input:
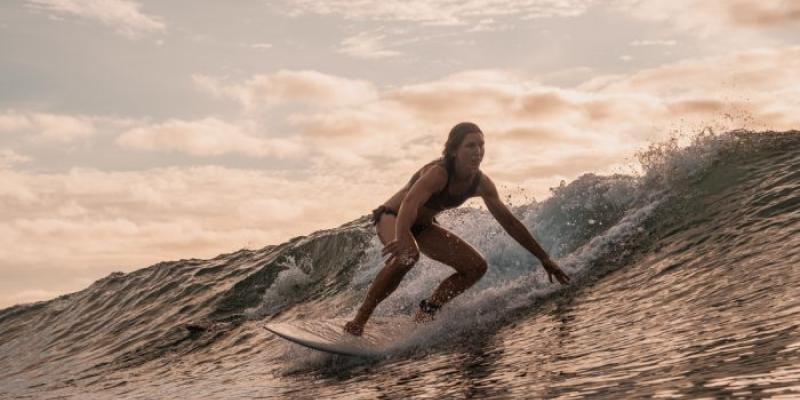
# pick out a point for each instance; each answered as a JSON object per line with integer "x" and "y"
{"x": 404, "y": 246}
{"x": 429, "y": 183}
{"x": 516, "y": 229}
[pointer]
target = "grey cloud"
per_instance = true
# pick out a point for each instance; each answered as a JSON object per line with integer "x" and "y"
{"x": 440, "y": 12}
{"x": 48, "y": 127}
{"x": 284, "y": 86}
{"x": 123, "y": 16}
{"x": 366, "y": 45}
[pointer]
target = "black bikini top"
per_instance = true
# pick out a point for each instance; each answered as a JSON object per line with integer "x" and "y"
{"x": 442, "y": 199}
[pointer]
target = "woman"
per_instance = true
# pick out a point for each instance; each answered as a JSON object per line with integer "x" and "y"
{"x": 406, "y": 225}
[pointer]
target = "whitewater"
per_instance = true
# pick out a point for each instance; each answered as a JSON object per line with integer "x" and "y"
{"x": 686, "y": 284}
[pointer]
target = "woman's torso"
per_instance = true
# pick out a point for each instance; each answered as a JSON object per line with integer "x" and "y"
{"x": 452, "y": 195}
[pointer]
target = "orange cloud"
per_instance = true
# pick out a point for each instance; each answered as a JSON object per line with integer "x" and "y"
{"x": 537, "y": 134}
{"x": 709, "y": 17}
{"x": 706, "y": 106}
{"x": 763, "y": 13}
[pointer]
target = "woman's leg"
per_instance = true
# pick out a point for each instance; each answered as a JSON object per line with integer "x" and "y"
{"x": 385, "y": 283}
{"x": 444, "y": 246}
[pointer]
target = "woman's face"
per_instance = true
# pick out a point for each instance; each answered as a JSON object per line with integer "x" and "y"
{"x": 470, "y": 152}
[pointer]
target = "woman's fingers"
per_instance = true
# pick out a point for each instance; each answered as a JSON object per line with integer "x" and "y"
{"x": 553, "y": 269}
{"x": 562, "y": 277}
{"x": 390, "y": 247}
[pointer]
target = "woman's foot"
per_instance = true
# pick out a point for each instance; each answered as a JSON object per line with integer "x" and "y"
{"x": 426, "y": 312}
{"x": 422, "y": 317}
{"x": 354, "y": 328}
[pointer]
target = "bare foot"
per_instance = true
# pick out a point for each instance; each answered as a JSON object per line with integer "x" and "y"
{"x": 354, "y": 328}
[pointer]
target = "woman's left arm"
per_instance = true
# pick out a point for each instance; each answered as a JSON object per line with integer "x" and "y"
{"x": 488, "y": 191}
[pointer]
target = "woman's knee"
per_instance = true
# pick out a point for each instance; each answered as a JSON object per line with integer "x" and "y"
{"x": 477, "y": 270}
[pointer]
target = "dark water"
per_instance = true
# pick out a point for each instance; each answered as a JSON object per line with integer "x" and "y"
{"x": 687, "y": 285}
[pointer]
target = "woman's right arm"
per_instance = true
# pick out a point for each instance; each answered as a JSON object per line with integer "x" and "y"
{"x": 431, "y": 181}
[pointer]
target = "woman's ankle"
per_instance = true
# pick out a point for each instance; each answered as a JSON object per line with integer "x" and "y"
{"x": 354, "y": 328}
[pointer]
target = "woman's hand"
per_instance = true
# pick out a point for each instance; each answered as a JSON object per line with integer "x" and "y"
{"x": 553, "y": 269}
{"x": 403, "y": 249}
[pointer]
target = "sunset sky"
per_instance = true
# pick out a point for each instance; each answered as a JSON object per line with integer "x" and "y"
{"x": 133, "y": 132}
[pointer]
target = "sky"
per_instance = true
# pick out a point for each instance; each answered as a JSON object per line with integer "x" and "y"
{"x": 133, "y": 132}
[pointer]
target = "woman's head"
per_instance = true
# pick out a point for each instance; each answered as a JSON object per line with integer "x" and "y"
{"x": 453, "y": 149}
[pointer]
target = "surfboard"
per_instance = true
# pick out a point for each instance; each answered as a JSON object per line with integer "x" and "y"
{"x": 327, "y": 336}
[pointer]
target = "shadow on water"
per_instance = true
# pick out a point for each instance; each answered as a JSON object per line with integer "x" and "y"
{"x": 478, "y": 363}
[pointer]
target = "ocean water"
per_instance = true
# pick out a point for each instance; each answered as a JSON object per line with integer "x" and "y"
{"x": 686, "y": 284}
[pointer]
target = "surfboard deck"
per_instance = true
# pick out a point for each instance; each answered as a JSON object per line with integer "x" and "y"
{"x": 327, "y": 336}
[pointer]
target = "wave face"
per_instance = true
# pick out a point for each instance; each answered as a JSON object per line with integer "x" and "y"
{"x": 686, "y": 283}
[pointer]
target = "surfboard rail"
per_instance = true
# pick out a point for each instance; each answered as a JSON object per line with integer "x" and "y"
{"x": 328, "y": 336}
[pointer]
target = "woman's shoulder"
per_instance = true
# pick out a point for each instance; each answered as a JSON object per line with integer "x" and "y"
{"x": 437, "y": 165}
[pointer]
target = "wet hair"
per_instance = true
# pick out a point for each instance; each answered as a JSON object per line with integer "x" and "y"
{"x": 454, "y": 139}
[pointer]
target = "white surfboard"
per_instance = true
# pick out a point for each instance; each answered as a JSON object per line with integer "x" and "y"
{"x": 327, "y": 336}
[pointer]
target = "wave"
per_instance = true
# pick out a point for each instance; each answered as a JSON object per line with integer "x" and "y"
{"x": 698, "y": 197}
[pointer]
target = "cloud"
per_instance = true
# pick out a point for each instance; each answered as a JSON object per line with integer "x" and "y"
{"x": 366, "y": 45}
{"x": 618, "y": 114}
{"x": 569, "y": 165}
{"x": 206, "y": 137}
{"x": 63, "y": 128}
{"x": 261, "y": 46}
{"x": 747, "y": 71}
{"x": 530, "y": 135}
{"x": 402, "y": 125}
{"x": 478, "y": 94}
{"x": 642, "y": 43}
{"x": 440, "y": 12}
{"x": 48, "y": 127}
{"x": 763, "y": 13}
{"x": 709, "y": 17}
{"x": 10, "y": 157}
{"x": 305, "y": 87}
{"x": 11, "y": 121}
{"x": 122, "y": 15}
{"x": 352, "y": 123}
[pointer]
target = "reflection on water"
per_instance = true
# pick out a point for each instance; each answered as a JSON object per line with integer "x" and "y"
{"x": 619, "y": 338}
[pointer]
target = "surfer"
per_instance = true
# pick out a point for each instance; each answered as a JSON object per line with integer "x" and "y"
{"x": 406, "y": 225}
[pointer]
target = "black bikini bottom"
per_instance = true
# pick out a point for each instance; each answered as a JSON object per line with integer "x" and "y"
{"x": 416, "y": 229}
